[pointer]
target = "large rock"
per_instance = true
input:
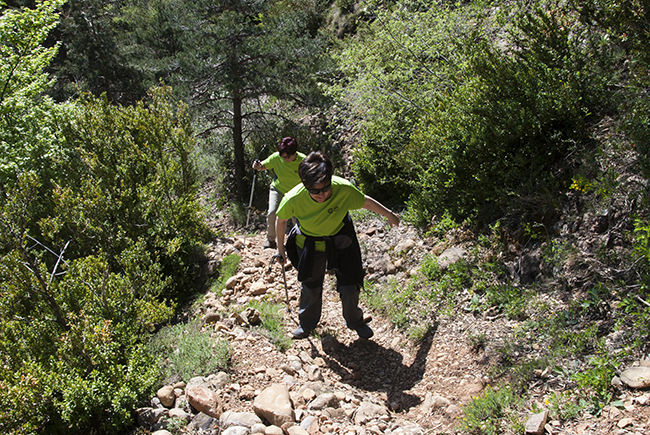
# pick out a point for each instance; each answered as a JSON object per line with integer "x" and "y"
{"x": 166, "y": 396}
{"x": 451, "y": 256}
{"x": 230, "y": 418}
{"x": 636, "y": 377}
{"x": 205, "y": 400}
{"x": 203, "y": 423}
{"x": 274, "y": 405}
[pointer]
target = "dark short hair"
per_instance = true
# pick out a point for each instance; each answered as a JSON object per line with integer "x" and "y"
{"x": 315, "y": 169}
{"x": 288, "y": 146}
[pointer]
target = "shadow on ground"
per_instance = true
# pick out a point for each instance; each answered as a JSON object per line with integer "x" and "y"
{"x": 369, "y": 366}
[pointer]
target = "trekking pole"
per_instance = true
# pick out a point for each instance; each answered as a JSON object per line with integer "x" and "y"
{"x": 250, "y": 200}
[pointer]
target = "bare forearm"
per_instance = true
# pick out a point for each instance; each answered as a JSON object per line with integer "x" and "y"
{"x": 374, "y": 206}
{"x": 280, "y": 229}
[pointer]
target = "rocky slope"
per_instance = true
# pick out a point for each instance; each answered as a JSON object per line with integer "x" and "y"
{"x": 334, "y": 382}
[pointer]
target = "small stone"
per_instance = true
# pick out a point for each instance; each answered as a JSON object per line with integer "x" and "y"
{"x": 642, "y": 400}
{"x": 166, "y": 396}
{"x": 179, "y": 414}
{"x": 232, "y": 282}
{"x": 308, "y": 394}
{"x": 314, "y": 373}
{"x": 205, "y": 400}
{"x": 288, "y": 369}
{"x": 625, "y": 422}
{"x": 273, "y": 430}
{"x": 326, "y": 400}
{"x": 211, "y": 317}
{"x": 258, "y": 428}
{"x": 297, "y": 430}
{"x": 536, "y": 423}
{"x": 330, "y": 344}
{"x": 274, "y": 405}
{"x": 258, "y": 288}
{"x": 236, "y": 430}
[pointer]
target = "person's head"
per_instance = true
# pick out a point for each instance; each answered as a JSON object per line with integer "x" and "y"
{"x": 288, "y": 148}
{"x": 316, "y": 172}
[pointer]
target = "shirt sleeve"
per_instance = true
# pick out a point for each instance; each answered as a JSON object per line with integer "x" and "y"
{"x": 285, "y": 210}
{"x": 269, "y": 162}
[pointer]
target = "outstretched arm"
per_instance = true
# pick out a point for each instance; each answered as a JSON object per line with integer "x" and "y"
{"x": 372, "y": 205}
{"x": 280, "y": 228}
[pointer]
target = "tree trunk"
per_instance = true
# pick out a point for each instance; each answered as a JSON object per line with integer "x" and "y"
{"x": 239, "y": 148}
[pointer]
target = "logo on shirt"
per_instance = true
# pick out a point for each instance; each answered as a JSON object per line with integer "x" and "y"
{"x": 333, "y": 210}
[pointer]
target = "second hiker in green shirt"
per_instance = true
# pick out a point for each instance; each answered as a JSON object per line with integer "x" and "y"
{"x": 284, "y": 164}
{"x": 325, "y": 239}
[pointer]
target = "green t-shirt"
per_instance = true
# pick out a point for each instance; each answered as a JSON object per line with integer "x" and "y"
{"x": 286, "y": 172}
{"x": 325, "y": 218}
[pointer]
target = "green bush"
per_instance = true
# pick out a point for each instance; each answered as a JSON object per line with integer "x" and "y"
{"x": 490, "y": 413}
{"x": 99, "y": 226}
{"x": 73, "y": 342}
{"x": 595, "y": 382}
{"x": 185, "y": 351}
{"x": 273, "y": 326}
{"x": 475, "y": 121}
{"x": 635, "y": 303}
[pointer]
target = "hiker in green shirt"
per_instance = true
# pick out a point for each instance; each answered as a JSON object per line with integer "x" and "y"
{"x": 325, "y": 239}
{"x": 284, "y": 164}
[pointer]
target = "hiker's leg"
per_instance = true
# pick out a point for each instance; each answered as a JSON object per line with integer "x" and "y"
{"x": 274, "y": 202}
{"x": 311, "y": 294}
{"x": 352, "y": 314}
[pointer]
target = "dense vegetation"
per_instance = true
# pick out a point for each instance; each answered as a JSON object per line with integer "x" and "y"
{"x": 112, "y": 114}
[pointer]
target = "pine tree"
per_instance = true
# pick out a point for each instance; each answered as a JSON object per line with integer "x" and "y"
{"x": 231, "y": 57}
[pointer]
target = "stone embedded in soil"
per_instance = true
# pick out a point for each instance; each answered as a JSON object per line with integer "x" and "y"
{"x": 205, "y": 400}
{"x": 166, "y": 396}
{"x": 274, "y": 405}
{"x": 636, "y": 377}
{"x": 536, "y": 423}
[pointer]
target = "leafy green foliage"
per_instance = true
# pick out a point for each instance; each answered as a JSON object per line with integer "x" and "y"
{"x": 397, "y": 70}
{"x": 492, "y": 412}
{"x": 185, "y": 352}
{"x": 73, "y": 340}
{"x": 471, "y": 113}
{"x": 637, "y": 303}
{"x": 236, "y": 59}
{"x": 595, "y": 382}
{"x": 624, "y": 24}
{"x": 89, "y": 59}
{"x": 141, "y": 187}
{"x": 273, "y": 326}
{"x": 98, "y": 226}
{"x": 28, "y": 125}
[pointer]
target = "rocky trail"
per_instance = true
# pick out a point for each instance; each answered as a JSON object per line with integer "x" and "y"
{"x": 335, "y": 383}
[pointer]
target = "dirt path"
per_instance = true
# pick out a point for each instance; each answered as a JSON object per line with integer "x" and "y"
{"x": 425, "y": 383}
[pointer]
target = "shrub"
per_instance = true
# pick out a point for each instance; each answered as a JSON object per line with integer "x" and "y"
{"x": 273, "y": 326}
{"x": 185, "y": 352}
{"x": 491, "y": 412}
